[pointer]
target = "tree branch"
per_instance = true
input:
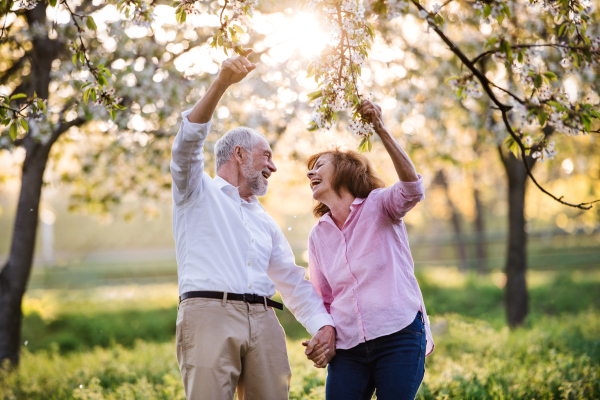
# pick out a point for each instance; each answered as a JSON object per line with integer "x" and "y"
{"x": 502, "y": 107}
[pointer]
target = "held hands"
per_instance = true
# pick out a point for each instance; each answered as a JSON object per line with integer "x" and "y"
{"x": 372, "y": 112}
{"x": 234, "y": 69}
{"x": 321, "y": 347}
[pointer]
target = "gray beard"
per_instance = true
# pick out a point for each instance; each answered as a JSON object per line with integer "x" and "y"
{"x": 254, "y": 179}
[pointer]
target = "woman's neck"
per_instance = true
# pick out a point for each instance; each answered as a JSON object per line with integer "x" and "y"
{"x": 340, "y": 207}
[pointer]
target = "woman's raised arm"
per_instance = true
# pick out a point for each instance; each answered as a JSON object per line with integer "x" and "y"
{"x": 402, "y": 163}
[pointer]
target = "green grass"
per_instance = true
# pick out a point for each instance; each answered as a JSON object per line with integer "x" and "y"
{"x": 116, "y": 342}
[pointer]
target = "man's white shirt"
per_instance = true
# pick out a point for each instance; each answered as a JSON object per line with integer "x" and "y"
{"x": 227, "y": 244}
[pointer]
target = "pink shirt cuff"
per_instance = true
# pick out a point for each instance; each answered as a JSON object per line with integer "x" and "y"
{"x": 412, "y": 188}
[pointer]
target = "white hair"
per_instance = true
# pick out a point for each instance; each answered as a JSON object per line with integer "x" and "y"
{"x": 243, "y": 136}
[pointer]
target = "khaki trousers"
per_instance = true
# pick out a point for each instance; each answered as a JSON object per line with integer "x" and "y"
{"x": 224, "y": 345}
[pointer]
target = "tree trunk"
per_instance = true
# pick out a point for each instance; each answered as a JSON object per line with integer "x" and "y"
{"x": 516, "y": 298}
{"x": 480, "y": 241}
{"x": 461, "y": 249}
{"x": 15, "y": 274}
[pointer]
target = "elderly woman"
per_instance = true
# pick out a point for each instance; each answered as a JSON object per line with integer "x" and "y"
{"x": 360, "y": 264}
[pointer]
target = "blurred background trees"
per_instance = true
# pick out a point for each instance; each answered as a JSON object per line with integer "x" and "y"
{"x": 118, "y": 164}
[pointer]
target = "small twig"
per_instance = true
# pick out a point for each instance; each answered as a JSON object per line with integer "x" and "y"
{"x": 517, "y": 46}
{"x": 503, "y": 109}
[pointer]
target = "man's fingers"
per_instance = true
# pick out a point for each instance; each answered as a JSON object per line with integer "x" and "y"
{"x": 247, "y": 52}
{"x": 240, "y": 65}
{"x": 231, "y": 66}
{"x": 244, "y": 61}
{"x": 305, "y": 343}
{"x": 318, "y": 354}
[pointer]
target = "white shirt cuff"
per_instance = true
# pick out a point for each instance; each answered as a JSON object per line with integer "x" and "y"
{"x": 191, "y": 131}
{"x": 318, "y": 321}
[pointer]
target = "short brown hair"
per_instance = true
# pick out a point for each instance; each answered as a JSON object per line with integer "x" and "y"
{"x": 352, "y": 171}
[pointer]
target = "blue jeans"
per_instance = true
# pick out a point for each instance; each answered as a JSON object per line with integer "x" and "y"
{"x": 393, "y": 365}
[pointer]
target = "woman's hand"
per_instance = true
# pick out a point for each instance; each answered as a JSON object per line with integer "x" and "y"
{"x": 372, "y": 112}
{"x": 321, "y": 347}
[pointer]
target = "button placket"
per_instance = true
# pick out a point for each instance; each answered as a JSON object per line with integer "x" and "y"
{"x": 251, "y": 254}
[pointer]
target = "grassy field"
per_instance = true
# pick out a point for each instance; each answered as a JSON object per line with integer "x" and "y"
{"x": 116, "y": 342}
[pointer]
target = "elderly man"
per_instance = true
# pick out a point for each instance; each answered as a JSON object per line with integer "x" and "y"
{"x": 231, "y": 256}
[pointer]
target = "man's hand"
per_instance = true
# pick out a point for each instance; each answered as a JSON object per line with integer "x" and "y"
{"x": 321, "y": 347}
{"x": 372, "y": 112}
{"x": 234, "y": 69}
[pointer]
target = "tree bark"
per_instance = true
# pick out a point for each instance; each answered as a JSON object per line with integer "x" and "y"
{"x": 15, "y": 273}
{"x": 516, "y": 298}
{"x": 480, "y": 243}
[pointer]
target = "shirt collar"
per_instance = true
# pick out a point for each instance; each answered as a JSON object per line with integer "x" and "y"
{"x": 228, "y": 187}
{"x": 327, "y": 216}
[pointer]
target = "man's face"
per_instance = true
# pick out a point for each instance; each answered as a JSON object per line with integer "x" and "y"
{"x": 258, "y": 168}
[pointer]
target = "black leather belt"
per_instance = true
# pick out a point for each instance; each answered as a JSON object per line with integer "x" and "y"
{"x": 247, "y": 297}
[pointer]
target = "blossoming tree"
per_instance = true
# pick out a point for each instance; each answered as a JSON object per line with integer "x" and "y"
{"x": 83, "y": 77}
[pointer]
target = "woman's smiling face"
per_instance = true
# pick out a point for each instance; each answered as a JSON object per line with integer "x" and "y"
{"x": 320, "y": 177}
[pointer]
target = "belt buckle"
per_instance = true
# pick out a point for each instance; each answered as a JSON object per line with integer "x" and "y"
{"x": 249, "y": 297}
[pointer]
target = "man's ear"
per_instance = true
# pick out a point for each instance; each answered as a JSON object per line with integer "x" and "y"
{"x": 238, "y": 154}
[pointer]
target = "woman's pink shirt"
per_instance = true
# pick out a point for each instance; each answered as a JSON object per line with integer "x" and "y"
{"x": 365, "y": 272}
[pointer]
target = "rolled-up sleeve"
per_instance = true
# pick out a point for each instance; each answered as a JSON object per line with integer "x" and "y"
{"x": 297, "y": 293}
{"x": 187, "y": 159}
{"x": 401, "y": 197}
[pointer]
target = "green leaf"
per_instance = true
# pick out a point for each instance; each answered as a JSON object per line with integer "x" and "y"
{"x": 312, "y": 126}
{"x": 91, "y": 24}
{"x": 310, "y": 71}
{"x": 25, "y": 125}
{"x": 491, "y": 41}
{"x": 13, "y": 130}
{"x": 369, "y": 144}
{"x": 315, "y": 95}
{"x": 52, "y": 3}
{"x": 113, "y": 114}
{"x": 487, "y": 10}
{"x": 18, "y": 96}
{"x": 75, "y": 59}
{"x": 86, "y": 95}
{"x": 93, "y": 94}
{"x": 238, "y": 29}
{"x": 561, "y": 30}
{"x": 551, "y": 76}
{"x": 362, "y": 146}
{"x": 537, "y": 81}
{"x": 542, "y": 117}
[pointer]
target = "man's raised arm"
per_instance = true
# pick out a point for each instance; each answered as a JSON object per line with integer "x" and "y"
{"x": 187, "y": 164}
{"x": 232, "y": 71}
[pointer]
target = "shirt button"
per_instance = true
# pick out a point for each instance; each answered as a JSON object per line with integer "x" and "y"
{"x": 245, "y": 224}
{"x": 249, "y": 263}
{"x": 230, "y": 193}
{"x": 252, "y": 240}
{"x": 250, "y": 287}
